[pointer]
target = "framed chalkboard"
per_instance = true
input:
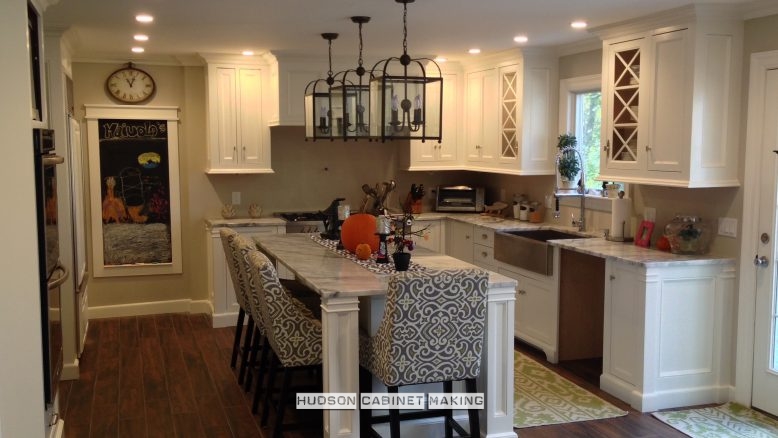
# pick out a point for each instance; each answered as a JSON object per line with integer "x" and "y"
{"x": 134, "y": 192}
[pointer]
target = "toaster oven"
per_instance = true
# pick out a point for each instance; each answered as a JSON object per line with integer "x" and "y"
{"x": 459, "y": 198}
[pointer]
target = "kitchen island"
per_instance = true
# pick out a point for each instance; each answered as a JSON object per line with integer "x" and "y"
{"x": 341, "y": 282}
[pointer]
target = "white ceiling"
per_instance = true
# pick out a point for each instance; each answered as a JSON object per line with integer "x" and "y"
{"x": 104, "y": 28}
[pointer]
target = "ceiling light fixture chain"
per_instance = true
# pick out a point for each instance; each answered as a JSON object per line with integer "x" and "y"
{"x": 405, "y": 59}
{"x": 360, "y": 68}
{"x": 330, "y": 37}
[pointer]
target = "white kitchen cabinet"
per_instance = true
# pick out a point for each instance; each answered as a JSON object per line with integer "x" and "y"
{"x": 431, "y": 155}
{"x": 460, "y": 240}
{"x": 537, "y": 307}
{"x": 510, "y": 122}
{"x": 668, "y": 334}
{"x": 483, "y": 248}
{"x": 237, "y": 129}
{"x": 671, "y": 102}
{"x": 434, "y": 234}
{"x": 222, "y": 293}
{"x": 481, "y": 131}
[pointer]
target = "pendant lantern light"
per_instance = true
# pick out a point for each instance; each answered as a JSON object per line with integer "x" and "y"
{"x": 406, "y": 102}
{"x": 319, "y": 102}
{"x": 352, "y": 94}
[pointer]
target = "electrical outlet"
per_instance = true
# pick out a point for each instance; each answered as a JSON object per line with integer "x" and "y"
{"x": 235, "y": 198}
{"x": 728, "y": 226}
{"x": 649, "y": 214}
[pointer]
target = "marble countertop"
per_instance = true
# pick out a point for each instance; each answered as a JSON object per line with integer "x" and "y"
{"x": 330, "y": 274}
{"x": 245, "y": 222}
{"x": 594, "y": 245}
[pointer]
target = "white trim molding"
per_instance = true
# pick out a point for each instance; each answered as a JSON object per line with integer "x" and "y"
{"x": 744, "y": 358}
{"x": 150, "y": 308}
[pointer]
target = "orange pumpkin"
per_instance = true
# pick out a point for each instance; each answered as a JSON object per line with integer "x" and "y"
{"x": 359, "y": 228}
{"x": 363, "y": 251}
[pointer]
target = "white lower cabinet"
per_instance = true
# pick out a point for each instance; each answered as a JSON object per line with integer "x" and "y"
{"x": 222, "y": 293}
{"x": 537, "y": 309}
{"x": 668, "y": 334}
{"x": 433, "y": 236}
{"x": 460, "y": 240}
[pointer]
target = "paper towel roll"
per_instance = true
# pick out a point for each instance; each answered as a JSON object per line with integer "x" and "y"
{"x": 620, "y": 217}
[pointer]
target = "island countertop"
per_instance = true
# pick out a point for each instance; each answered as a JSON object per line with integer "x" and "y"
{"x": 330, "y": 274}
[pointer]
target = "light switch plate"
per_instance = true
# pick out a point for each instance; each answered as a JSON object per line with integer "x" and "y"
{"x": 728, "y": 226}
{"x": 235, "y": 198}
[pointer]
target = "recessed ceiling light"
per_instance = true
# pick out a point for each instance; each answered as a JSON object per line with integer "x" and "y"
{"x": 474, "y": 51}
{"x": 440, "y": 59}
{"x": 578, "y": 24}
{"x": 144, "y": 18}
{"x": 141, "y": 37}
{"x": 521, "y": 39}
{"x": 138, "y": 49}
{"x": 247, "y": 53}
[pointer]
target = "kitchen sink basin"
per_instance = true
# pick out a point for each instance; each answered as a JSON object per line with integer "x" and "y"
{"x": 529, "y": 249}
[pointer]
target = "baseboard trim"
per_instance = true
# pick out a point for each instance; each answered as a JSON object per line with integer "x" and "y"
{"x": 225, "y": 320}
{"x": 152, "y": 308}
{"x": 70, "y": 371}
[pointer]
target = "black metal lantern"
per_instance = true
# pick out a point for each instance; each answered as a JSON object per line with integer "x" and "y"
{"x": 406, "y": 102}
{"x": 352, "y": 92}
{"x": 319, "y": 112}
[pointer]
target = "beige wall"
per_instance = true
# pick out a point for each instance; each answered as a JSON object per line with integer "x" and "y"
{"x": 580, "y": 64}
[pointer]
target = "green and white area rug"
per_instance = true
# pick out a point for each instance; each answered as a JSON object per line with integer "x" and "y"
{"x": 727, "y": 421}
{"x": 543, "y": 397}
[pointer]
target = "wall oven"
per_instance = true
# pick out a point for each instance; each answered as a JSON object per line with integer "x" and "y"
{"x": 51, "y": 273}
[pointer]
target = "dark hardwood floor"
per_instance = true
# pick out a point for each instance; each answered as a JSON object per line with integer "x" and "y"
{"x": 169, "y": 376}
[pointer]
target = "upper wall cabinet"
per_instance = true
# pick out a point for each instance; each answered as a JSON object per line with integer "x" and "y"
{"x": 510, "y": 124}
{"x": 443, "y": 155}
{"x": 237, "y": 107}
{"x": 671, "y": 101}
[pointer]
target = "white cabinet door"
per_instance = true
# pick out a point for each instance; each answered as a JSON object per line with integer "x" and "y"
{"x": 431, "y": 155}
{"x": 668, "y": 142}
{"x": 623, "y": 325}
{"x": 252, "y": 128}
{"x": 460, "y": 240}
{"x": 535, "y": 322}
{"x": 481, "y": 116}
{"x": 238, "y": 134}
{"x": 433, "y": 235}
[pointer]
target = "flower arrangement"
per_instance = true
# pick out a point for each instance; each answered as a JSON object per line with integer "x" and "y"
{"x": 401, "y": 233}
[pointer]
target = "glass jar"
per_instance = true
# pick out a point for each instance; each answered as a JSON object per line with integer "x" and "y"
{"x": 688, "y": 235}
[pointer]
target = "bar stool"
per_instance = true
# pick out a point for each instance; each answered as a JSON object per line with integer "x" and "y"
{"x": 233, "y": 255}
{"x": 432, "y": 331}
{"x": 295, "y": 338}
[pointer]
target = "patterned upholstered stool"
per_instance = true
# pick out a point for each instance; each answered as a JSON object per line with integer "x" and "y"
{"x": 228, "y": 237}
{"x": 432, "y": 331}
{"x": 293, "y": 334}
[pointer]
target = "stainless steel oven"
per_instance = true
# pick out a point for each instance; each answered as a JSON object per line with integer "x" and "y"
{"x": 51, "y": 273}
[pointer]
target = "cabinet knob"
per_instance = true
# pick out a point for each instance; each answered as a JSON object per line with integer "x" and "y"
{"x": 607, "y": 146}
{"x": 484, "y": 254}
{"x": 522, "y": 292}
{"x": 648, "y": 148}
{"x": 467, "y": 236}
{"x": 612, "y": 277}
{"x": 484, "y": 236}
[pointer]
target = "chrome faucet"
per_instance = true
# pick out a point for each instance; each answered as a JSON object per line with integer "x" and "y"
{"x": 580, "y": 222}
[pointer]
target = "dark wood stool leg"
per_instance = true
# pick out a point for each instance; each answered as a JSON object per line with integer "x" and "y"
{"x": 448, "y": 413}
{"x": 244, "y": 358}
{"x": 475, "y": 428}
{"x": 266, "y": 352}
{"x": 365, "y": 415}
{"x": 269, "y": 391}
{"x": 256, "y": 344}
{"x": 236, "y": 342}
{"x": 394, "y": 416}
{"x": 279, "y": 427}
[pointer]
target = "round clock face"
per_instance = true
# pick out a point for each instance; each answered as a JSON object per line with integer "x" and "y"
{"x": 130, "y": 85}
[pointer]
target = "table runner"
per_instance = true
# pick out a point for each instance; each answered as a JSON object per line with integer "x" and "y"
{"x": 369, "y": 264}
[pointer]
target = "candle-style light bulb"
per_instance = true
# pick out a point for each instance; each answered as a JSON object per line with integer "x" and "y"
{"x": 395, "y": 105}
{"x": 417, "y": 110}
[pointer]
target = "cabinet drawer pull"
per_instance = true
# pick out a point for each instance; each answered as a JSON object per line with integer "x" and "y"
{"x": 612, "y": 277}
{"x": 522, "y": 292}
{"x": 467, "y": 237}
{"x": 485, "y": 236}
{"x": 648, "y": 148}
{"x": 607, "y": 145}
{"x": 484, "y": 254}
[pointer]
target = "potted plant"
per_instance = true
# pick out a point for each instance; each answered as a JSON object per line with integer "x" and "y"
{"x": 400, "y": 237}
{"x": 568, "y": 164}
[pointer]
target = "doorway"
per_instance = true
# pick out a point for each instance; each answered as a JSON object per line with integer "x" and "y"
{"x": 757, "y": 358}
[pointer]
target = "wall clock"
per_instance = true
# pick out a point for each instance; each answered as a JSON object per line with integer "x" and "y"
{"x": 130, "y": 85}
